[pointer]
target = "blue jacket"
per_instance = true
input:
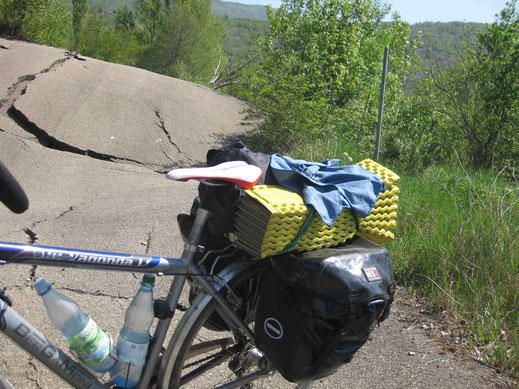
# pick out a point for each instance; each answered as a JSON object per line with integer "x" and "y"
{"x": 327, "y": 187}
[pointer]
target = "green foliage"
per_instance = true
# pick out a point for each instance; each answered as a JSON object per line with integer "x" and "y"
{"x": 149, "y": 14}
{"x": 445, "y": 38}
{"x": 100, "y": 39}
{"x": 220, "y": 8}
{"x": 42, "y": 21}
{"x": 124, "y": 19}
{"x": 473, "y": 97}
{"x": 410, "y": 144}
{"x": 79, "y": 8}
{"x": 187, "y": 43}
{"x": 320, "y": 70}
{"x": 497, "y": 73}
{"x": 14, "y": 13}
{"x": 49, "y": 24}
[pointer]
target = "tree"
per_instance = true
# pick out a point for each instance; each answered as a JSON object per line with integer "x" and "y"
{"x": 99, "y": 38}
{"x": 13, "y": 12}
{"x": 79, "y": 8}
{"x": 48, "y": 23}
{"x": 124, "y": 19}
{"x": 475, "y": 95}
{"x": 497, "y": 75}
{"x": 320, "y": 70}
{"x": 149, "y": 14}
{"x": 188, "y": 42}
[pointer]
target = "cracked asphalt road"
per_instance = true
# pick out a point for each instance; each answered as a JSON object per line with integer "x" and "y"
{"x": 89, "y": 142}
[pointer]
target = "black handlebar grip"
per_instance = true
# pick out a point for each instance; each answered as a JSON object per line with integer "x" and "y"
{"x": 11, "y": 193}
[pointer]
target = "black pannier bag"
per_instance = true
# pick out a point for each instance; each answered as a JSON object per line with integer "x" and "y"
{"x": 316, "y": 309}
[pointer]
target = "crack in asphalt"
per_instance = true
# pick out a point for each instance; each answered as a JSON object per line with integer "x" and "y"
{"x": 15, "y": 91}
{"x": 148, "y": 241}
{"x": 32, "y": 235}
{"x": 97, "y": 293}
{"x": 162, "y": 125}
{"x": 29, "y": 377}
{"x": 53, "y": 143}
{"x": 32, "y": 274}
{"x": 70, "y": 209}
{"x": 19, "y": 88}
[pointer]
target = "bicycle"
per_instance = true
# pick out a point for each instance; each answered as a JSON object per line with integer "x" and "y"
{"x": 216, "y": 338}
{"x": 232, "y": 294}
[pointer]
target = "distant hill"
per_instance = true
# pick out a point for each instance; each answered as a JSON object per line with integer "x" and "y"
{"x": 238, "y": 10}
{"x": 240, "y": 36}
{"x": 220, "y": 8}
{"x": 446, "y": 38}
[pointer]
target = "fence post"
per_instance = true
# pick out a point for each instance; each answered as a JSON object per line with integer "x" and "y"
{"x": 381, "y": 102}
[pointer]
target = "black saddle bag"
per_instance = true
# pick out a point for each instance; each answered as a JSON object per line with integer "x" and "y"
{"x": 318, "y": 308}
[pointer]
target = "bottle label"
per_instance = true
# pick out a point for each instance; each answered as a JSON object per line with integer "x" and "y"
{"x": 134, "y": 353}
{"x": 91, "y": 345}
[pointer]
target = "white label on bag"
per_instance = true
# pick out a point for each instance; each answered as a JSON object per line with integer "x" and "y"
{"x": 371, "y": 274}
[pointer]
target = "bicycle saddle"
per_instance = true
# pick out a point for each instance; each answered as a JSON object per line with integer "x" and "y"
{"x": 237, "y": 172}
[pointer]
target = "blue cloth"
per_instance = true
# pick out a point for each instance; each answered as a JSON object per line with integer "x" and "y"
{"x": 327, "y": 187}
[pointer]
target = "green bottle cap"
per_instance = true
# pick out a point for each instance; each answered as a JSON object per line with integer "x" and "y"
{"x": 148, "y": 279}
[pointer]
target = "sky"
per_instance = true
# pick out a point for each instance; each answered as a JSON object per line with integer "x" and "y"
{"x": 414, "y": 11}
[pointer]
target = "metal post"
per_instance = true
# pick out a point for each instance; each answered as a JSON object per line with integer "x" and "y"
{"x": 381, "y": 102}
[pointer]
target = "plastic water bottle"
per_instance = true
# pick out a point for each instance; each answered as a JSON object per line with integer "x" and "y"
{"x": 134, "y": 337}
{"x": 86, "y": 339}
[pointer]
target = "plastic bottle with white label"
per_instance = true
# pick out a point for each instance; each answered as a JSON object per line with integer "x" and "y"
{"x": 134, "y": 336}
{"x": 86, "y": 339}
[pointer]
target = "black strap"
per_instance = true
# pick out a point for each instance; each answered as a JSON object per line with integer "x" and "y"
{"x": 302, "y": 231}
{"x": 354, "y": 302}
{"x": 356, "y": 219}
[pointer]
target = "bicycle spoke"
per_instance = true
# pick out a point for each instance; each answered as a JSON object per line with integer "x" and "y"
{"x": 207, "y": 346}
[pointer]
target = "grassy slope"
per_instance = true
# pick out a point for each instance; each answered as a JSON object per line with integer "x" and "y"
{"x": 458, "y": 244}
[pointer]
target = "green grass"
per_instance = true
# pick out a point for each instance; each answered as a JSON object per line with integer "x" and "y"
{"x": 322, "y": 149}
{"x": 457, "y": 245}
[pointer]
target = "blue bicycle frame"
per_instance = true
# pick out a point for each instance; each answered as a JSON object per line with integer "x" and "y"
{"x": 56, "y": 256}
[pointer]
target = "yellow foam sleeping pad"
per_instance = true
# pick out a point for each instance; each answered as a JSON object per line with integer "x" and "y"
{"x": 269, "y": 218}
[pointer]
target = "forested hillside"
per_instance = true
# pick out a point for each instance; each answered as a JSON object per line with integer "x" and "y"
{"x": 220, "y": 8}
{"x": 311, "y": 76}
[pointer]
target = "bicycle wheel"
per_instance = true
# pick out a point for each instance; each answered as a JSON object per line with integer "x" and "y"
{"x": 203, "y": 354}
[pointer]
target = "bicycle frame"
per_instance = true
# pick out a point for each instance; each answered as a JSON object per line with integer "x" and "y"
{"x": 32, "y": 341}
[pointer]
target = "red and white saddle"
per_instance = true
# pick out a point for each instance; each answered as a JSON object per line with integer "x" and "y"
{"x": 237, "y": 172}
